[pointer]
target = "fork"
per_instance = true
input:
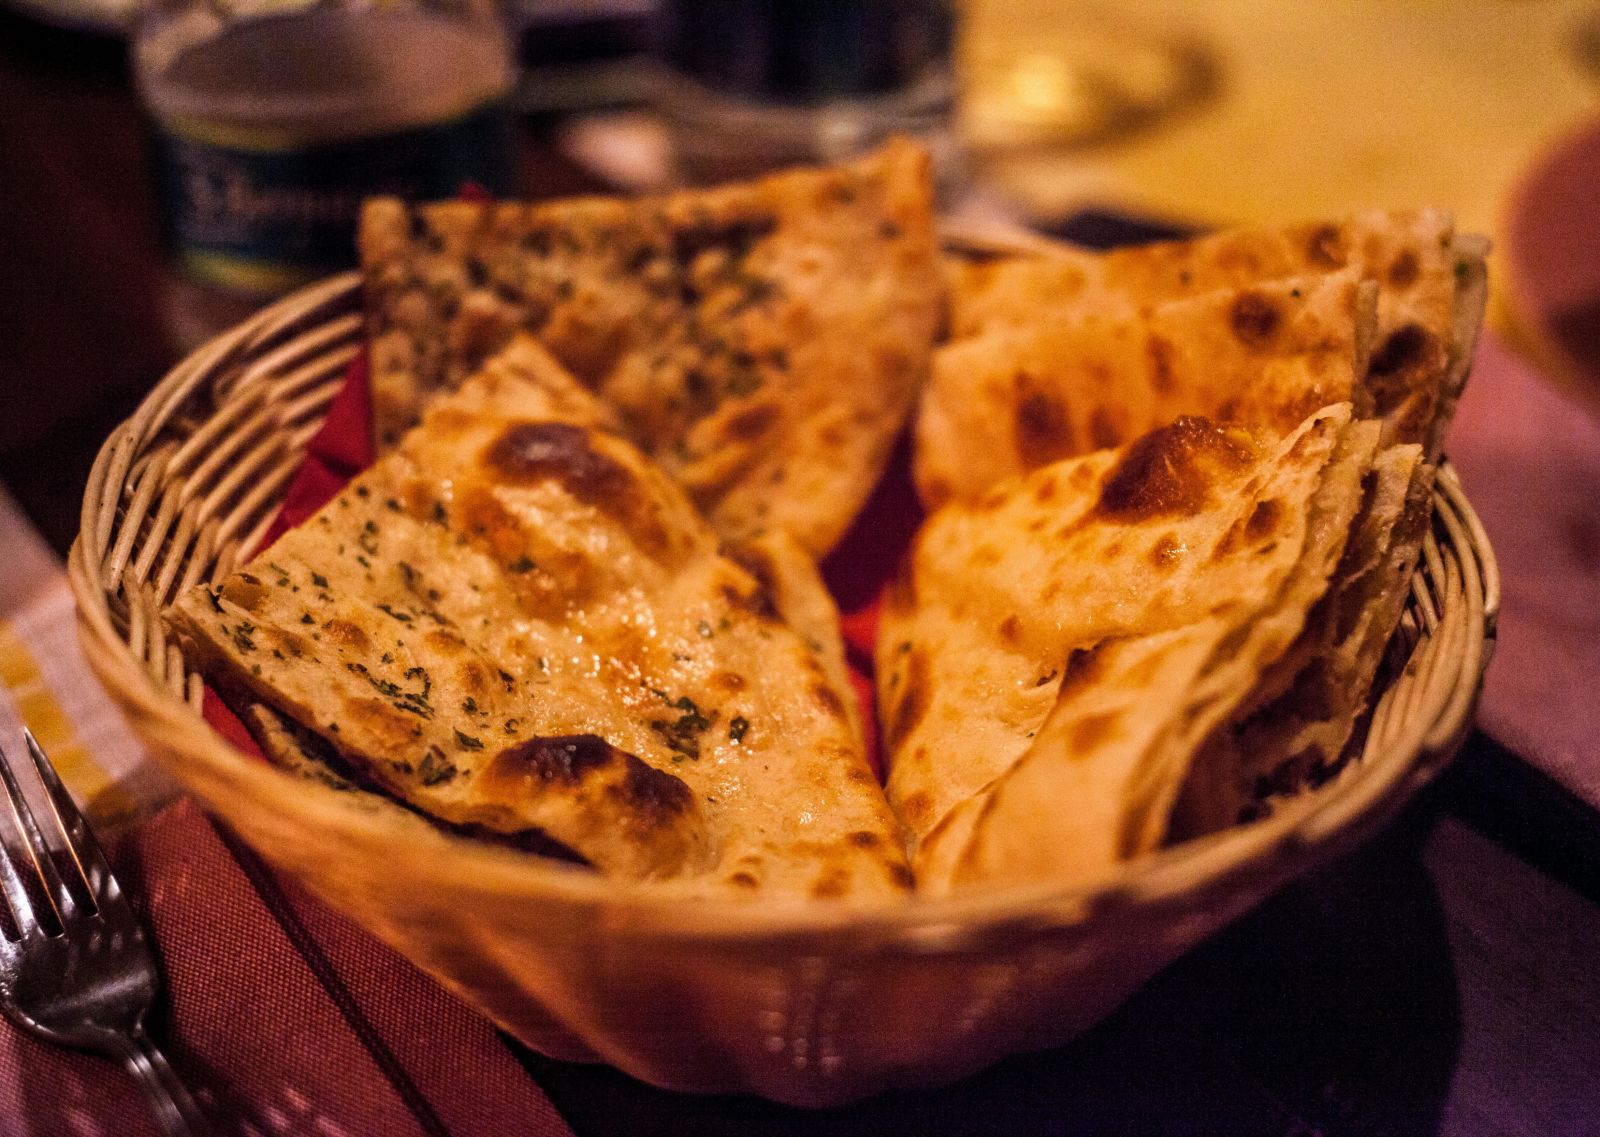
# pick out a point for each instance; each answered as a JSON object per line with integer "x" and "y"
{"x": 77, "y": 968}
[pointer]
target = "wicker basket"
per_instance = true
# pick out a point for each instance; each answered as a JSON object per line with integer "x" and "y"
{"x": 810, "y": 1007}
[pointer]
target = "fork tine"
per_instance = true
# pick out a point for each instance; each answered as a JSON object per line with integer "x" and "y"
{"x": 47, "y": 852}
{"x": 12, "y": 854}
{"x": 81, "y": 847}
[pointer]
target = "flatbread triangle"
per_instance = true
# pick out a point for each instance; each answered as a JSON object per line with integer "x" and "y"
{"x": 763, "y": 342}
{"x": 1161, "y": 625}
{"x": 514, "y": 623}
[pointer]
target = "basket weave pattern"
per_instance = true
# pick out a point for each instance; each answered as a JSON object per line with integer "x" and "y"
{"x": 810, "y": 1006}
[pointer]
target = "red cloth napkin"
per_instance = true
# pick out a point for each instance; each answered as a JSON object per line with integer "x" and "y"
{"x": 283, "y": 1016}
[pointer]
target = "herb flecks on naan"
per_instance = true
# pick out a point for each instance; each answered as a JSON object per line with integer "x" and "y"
{"x": 763, "y": 342}
{"x": 515, "y": 623}
{"x": 1431, "y": 293}
{"x": 1015, "y": 399}
{"x": 1054, "y": 655}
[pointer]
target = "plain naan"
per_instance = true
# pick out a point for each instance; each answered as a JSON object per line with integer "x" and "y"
{"x": 1297, "y": 726}
{"x": 1015, "y": 399}
{"x": 1053, "y": 655}
{"x": 1431, "y": 293}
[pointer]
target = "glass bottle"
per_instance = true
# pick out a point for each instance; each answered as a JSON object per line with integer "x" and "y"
{"x": 749, "y": 85}
{"x": 275, "y": 118}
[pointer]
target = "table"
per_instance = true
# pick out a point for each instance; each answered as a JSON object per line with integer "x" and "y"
{"x": 1441, "y": 979}
{"x": 1289, "y": 110}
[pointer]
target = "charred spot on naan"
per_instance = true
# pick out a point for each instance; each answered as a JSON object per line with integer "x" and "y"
{"x": 751, "y": 423}
{"x": 1166, "y": 552}
{"x": 1171, "y": 470}
{"x": 916, "y": 808}
{"x": 1041, "y": 422}
{"x": 1253, "y": 529}
{"x": 1160, "y": 352}
{"x": 528, "y": 452}
{"x": 1401, "y": 365}
{"x": 1255, "y": 319}
{"x": 244, "y": 589}
{"x": 1403, "y": 271}
{"x": 907, "y": 697}
{"x": 590, "y": 767}
{"x": 828, "y": 700}
{"x": 1091, "y": 731}
{"x": 830, "y": 883}
{"x": 1327, "y": 247}
{"x": 1083, "y": 667}
{"x": 575, "y": 458}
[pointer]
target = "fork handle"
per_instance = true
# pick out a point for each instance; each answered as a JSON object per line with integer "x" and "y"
{"x": 174, "y": 1108}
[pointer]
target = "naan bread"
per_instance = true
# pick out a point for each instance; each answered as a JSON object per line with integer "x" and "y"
{"x": 1295, "y": 731}
{"x": 515, "y": 623}
{"x": 763, "y": 342}
{"x": 295, "y": 750}
{"x": 1053, "y": 656}
{"x": 1267, "y": 355}
{"x": 1431, "y": 292}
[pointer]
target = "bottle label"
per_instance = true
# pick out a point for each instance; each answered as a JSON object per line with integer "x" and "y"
{"x": 262, "y": 220}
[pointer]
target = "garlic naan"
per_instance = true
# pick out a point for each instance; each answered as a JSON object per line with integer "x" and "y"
{"x": 763, "y": 342}
{"x": 1015, "y": 399}
{"x": 1052, "y": 656}
{"x": 1431, "y": 293}
{"x": 515, "y": 623}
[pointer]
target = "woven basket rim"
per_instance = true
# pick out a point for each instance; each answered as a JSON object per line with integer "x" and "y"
{"x": 1308, "y": 829}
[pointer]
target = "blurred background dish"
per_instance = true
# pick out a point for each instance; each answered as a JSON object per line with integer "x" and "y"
{"x": 1551, "y": 230}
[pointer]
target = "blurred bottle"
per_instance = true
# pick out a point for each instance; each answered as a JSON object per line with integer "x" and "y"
{"x": 274, "y": 118}
{"x": 749, "y": 85}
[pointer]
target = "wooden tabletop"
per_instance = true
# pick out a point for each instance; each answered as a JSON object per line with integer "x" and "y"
{"x": 1440, "y": 980}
